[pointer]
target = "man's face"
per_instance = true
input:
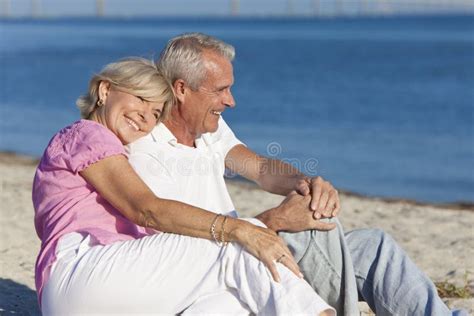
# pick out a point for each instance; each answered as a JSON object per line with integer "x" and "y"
{"x": 202, "y": 108}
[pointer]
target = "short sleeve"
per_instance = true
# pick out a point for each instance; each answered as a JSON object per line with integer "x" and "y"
{"x": 226, "y": 137}
{"x": 88, "y": 143}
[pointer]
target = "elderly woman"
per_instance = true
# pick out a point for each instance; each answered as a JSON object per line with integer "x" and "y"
{"x": 102, "y": 250}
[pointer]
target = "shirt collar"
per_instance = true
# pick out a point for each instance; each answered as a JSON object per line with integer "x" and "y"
{"x": 161, "y": 134}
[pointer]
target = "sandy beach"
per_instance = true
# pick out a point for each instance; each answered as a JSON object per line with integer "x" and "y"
{"x": 440, "y": 239}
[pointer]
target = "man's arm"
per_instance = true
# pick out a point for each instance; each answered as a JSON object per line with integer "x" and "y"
{"x": 293, "y": 215}
{"x": 272, "y": 175}
{"x": 279, "y": 177}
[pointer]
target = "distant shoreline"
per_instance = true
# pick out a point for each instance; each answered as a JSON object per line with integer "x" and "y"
{"x": 9, "y": 157}
{"x": 231, "y": 18}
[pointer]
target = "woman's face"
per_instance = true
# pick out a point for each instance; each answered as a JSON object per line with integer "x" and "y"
{"x": 126, "y": 115}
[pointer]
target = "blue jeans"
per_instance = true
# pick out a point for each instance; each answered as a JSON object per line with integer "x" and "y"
{"x": 366, "y": 264}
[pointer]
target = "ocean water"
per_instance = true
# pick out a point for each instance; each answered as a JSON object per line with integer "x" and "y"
{"x": 379, "y": 106}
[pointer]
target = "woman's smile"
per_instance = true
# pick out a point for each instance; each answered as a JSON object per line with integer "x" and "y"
{"x": 132, "y": 124}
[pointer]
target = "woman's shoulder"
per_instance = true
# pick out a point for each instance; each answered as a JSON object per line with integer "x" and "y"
{"x": 79, "y": 135}
{"x": 69, "y": 134}
{"x": 82, "y": 126}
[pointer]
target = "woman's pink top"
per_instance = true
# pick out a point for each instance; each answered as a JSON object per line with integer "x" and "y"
{"x": 64, "y": 202}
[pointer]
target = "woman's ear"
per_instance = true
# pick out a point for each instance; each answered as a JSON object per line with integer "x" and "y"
{"x": 180, "y": 87}
{"x": 104, "y": 88}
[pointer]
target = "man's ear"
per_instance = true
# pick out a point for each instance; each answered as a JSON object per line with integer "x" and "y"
{"x": 180, "y": 87}
{"x": 104, "y": 88}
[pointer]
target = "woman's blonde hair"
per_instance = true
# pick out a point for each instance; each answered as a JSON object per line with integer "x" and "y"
{"x": 134, "y": 75}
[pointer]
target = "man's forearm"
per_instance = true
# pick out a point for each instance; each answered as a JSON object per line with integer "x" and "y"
{"x": 292, "y": 215}
{"x": 278, "y": 177}
{"x": 281, "y": 178}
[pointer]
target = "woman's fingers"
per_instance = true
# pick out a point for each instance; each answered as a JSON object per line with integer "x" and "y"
{"x": 281, "y": 254}
{"x": 291, "y": 264}
{"x": 273, "y": 270}
{"x": 271, "y": 265}
{"x": 287, "y": 260}
{"x": 269, "y": 248}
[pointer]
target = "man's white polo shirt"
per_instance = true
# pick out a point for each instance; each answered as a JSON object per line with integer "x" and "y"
{"x": 191, "y": 175}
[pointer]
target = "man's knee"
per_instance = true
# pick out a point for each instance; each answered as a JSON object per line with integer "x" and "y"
{"x": 298, "y": 243}
{"x": 372, "y": 236}
{"x": 370, "y": 245}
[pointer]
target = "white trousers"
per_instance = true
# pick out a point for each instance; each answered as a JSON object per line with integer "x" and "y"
{"x": 169, "y": 274}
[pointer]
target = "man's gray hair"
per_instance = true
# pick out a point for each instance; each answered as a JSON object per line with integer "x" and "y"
{"x": 181, "y": 58}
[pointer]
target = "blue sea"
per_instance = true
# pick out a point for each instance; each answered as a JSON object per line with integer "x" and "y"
{"x": 379, "y": 106}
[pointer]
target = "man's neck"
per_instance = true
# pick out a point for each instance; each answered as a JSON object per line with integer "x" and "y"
{"x": 181, "y": 132}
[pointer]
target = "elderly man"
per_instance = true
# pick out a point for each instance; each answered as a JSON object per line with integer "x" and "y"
{"x": 185, "y": 159}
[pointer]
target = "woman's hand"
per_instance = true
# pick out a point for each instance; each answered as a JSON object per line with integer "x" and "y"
{"x": 266, "y": 246}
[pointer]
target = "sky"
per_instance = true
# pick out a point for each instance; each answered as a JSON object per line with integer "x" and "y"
{"x": 52, "y": 8}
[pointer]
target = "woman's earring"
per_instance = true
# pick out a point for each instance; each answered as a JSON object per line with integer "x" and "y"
{"x": 100, "y": 102}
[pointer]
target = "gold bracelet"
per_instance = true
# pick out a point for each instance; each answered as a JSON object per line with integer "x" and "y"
{"x": 223, "y": 242}
{"x": 213, "y": 229}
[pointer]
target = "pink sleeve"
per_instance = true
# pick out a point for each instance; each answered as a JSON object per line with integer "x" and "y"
{"x": 89, "y": 143}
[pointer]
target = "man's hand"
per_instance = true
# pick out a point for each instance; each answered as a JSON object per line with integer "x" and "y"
{"x": 278, "y": 177}
{"x": 324, "y": 198}
{"x": 293, "y": 215}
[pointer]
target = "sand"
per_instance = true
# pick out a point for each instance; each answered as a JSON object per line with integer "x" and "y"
{"x": 440, "y": 239}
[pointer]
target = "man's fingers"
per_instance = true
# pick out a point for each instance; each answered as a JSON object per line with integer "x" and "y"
{"x": 323, "y": 226}
{"x": 330, "y": 206}
{"x": 316, "y": 216}
{"x": 303, "y": 188}
{"x": 337, "y": 208}
{"x": 322, "y": 202}
{"x": 316, "y": 188}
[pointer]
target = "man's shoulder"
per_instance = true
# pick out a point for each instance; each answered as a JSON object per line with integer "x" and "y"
{"x": 223, "y": 126}
{"x": 145, "y": 144}
{"x": 222, "y": 132}
{"x": 222, "y": 140}
{"x": 160, "y": 136}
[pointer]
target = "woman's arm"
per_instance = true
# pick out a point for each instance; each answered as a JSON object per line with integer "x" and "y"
{"x": 117, "y": 182}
